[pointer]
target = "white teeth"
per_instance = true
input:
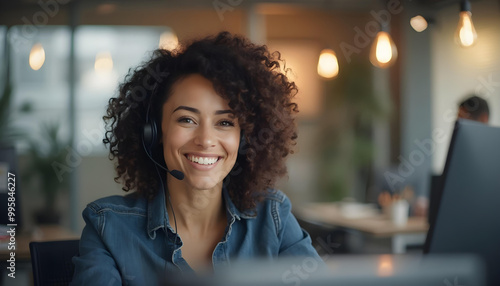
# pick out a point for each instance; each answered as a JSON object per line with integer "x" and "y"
{"x": 203, "y": 160}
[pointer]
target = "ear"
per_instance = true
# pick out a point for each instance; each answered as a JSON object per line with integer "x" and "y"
{"x": 484, "y": 118}
{"x": 462, "y": 113}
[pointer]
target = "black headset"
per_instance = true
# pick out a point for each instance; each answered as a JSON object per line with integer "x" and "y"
{"x": 150, "y": 138}
{"x": 149, "y": 133}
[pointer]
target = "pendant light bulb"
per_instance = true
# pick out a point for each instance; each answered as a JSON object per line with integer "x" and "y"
{"x": 37, "y": 56}
{"x": 465, "y": 34}
{"x": 168, "y": 40}
{"x": 418, "y": 23}
{"x": 103, "y": 63}
{"x": 383, "y": 52}
{"x": 328, "y": 65}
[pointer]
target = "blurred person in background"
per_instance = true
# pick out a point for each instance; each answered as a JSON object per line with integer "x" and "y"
{"x": 474, "y": 108}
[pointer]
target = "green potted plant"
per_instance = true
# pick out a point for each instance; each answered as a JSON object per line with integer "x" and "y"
{"x": 346, "y": 141}
{"x": 7, "y": 134}
{"x": 42, "y": 154}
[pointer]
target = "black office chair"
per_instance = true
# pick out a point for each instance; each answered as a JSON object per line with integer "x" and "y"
{"x": 329, "y": 240}
{"x": 51, "y": 262}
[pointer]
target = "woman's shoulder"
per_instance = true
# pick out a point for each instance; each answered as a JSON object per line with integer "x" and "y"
{"x": 271, "y": 202}
{"x": 275, "y": 203}
{"x": 127, "y": 203}
{"x": 274, "y": 195}
{"x": 274, "y": 209}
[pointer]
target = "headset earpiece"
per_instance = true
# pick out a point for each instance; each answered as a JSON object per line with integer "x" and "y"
{"x": 150, "y": 136}
{"x": 150, "y": 129}
{"x": 150, "y": 140}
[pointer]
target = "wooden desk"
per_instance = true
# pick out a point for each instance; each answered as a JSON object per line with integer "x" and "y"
{"x": 40, "y": 233}
{"x": 377, "y": 225}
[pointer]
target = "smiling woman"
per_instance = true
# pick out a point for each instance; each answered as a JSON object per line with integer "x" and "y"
{"x": 217, "y": 115}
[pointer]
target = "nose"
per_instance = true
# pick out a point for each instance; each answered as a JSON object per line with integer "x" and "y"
{"x": 205, "y": 136}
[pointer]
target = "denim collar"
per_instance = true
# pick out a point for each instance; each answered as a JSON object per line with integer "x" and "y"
{"x": 158, "y": 216}
{"x": 157, "y": 213}
{"x": 233, "y": 211}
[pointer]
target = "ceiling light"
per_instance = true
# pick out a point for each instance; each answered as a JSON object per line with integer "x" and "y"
{"x": 328, "y": 65}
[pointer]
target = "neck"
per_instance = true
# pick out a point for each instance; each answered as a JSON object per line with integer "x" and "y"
{"x": 196, "y": 211}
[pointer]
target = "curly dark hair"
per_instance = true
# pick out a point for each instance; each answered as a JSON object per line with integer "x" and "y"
{"x": 245, "y": 74}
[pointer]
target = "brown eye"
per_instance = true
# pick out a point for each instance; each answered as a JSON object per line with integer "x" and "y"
{"x": 185, "y": 120}
{"x": 226, "y": 123}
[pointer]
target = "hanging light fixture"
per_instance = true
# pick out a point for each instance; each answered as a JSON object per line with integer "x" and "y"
{"x": 383, "y": 52}
{"x": 168, "y": 40}
{"x": 328, "y": 65}
{"x": 418, "y": 23}
{"x": 465, "y": 34}
{"x": 103, "y": 62}
{"x": 37, "y": 57}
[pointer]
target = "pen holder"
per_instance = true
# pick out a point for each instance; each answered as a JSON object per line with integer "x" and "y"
{"x": 399, "y": 212}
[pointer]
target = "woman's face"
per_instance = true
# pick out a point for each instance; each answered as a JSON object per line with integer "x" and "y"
{"x": 200, "y": 133}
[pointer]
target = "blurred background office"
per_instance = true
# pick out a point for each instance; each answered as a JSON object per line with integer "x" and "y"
{"x": 378, "y": 87}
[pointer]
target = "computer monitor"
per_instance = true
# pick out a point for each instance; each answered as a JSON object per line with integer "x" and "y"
{"x": 342, "y": 270}
{"x": 468, "y": 216}
{"x": 434, "y": 197}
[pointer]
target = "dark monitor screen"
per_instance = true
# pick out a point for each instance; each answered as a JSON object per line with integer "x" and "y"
{"x": 434, "y": 197}
{"x": 468, "y": 216}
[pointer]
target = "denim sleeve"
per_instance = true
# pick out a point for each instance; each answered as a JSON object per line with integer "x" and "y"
{"x": 94, "y": 265}
{"x": 294, "y": 240}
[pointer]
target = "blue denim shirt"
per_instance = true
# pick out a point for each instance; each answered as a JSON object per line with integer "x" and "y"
{"x": 128, "y": 240}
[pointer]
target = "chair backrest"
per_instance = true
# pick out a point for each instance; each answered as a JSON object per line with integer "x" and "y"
{"x": 51, "y": 262}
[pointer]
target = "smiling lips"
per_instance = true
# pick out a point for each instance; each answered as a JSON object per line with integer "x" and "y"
{"x": 202, "y": 160}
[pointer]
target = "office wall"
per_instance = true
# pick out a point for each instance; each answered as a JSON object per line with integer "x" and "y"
{"x": 416, "y": 102}
{"x": 300, "y": 35}
{"x": 95, "y": 181}
{"x": 458, "y": 71}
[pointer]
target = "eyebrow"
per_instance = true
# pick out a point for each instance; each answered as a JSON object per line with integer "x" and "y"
{"x": 194, "y": 110}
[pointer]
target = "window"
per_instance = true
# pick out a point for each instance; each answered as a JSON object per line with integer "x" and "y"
{"x": 103, "y": 55}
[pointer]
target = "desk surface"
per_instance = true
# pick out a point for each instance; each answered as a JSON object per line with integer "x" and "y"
{"x": 377, "y": 225}
{"x": 40, "y": 233}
